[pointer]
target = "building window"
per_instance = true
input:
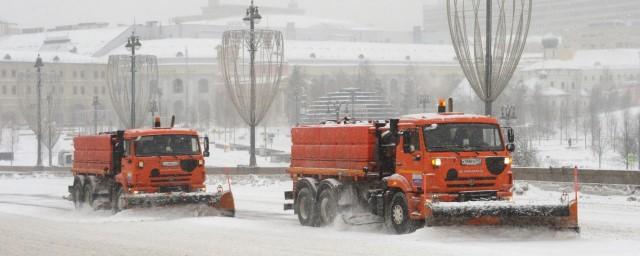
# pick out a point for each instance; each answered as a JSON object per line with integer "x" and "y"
{"x": 4, "y": 73}
{"x": 75, "y": 90}
{"x": 95, "y": 90}
{"x": 13, "y": 73}
{"x": 82, "y": 90}
{"x": 61, "y": 89}
{"x": 95, "y": 74}
{"x": 28, "y": 90}
{"x": 75, "y": 74}
{"x": 81, "y": 73}
{"x": 13, "y": 90}
{"x": 551, "y": 84}
{"x": 103, "y": 90}
{"x": 178, "y": 87}
{"x": 61, "y": 74}
{"x": 573, "y": 85}
{"x": 4, "y": 90}
{"x": 562, "y": 85}
{"x": 102, "y": 74}
{"x": 203, "y": 86}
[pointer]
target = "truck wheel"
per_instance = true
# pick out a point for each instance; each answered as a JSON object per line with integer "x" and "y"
{"x": 397, "y": 215}
{"x": 327, "y": 206}
{"x": 306, "y": 207}
{"x": 88, "y": 195}
{"x": 78, "y": 199}
{"x": 118, "y": 203}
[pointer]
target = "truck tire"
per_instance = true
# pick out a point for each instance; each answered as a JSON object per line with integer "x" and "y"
{"x": 306, "y": 207}
{"x": 327, "y": 206}
{"x": 118, "y": 203}
{"x": 88, "y": 195}
{"x": 77, "y": 194}
{"x": 397, "y": 215}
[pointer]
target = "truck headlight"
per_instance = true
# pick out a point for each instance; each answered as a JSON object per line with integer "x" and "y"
{"x": 436, "y": 162}
{"x": 200, "y": 162}
{"x": 507, "y": 160}
{"x": 140, "y": 164}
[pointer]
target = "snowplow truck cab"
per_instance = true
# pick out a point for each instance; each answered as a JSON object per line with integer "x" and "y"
{"x": 142, "y": 168}
{"x": 435, "y": 169}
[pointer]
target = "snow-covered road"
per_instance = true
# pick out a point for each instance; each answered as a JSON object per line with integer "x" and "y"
{"x": 35, "y": 220}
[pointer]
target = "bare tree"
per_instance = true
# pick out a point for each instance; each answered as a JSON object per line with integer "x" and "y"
{"x": 295, "y": 93}
{"x": 626, "y": 144}
{"x": 50, "y": 104}
{"x": 598, "y": 144}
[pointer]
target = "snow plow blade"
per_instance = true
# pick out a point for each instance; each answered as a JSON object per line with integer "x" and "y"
{"x": 222, "y": 202}
{"x": 557, "y": 216}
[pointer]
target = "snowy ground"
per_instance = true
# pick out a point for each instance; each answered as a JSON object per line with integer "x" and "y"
{"x": 35, "y": 220}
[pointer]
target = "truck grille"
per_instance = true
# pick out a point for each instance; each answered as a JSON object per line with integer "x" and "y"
{"x": 163, "y": 180}
{"x": 471, "y": 182}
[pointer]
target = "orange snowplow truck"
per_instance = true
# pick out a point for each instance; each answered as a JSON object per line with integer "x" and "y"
{"x": 144, "y": 167}
{"x": 434, "y": 169}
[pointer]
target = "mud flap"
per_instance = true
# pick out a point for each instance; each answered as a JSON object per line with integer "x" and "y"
{"x": 560, "y": 216}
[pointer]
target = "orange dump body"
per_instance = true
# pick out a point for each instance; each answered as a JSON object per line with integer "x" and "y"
{"x": 333, "y": 146}
{"x": 93, "y": 154}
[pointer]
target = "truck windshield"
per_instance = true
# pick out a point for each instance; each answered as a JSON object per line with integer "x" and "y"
{"x": 463, "y": 137}
{"x": 163, "y": 145}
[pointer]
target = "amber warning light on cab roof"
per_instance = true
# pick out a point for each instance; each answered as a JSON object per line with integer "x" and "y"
{"x": 442, "y": 105}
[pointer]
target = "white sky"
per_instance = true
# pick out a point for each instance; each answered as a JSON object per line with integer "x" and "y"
{"x": 387, "y": 14}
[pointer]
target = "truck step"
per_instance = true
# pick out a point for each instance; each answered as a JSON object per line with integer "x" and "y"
{"x": 288, "y": 195}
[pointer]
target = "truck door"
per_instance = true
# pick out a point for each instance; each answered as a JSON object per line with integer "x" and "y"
{"x": 410, "y": 157}
{"x": 127, "y": 159}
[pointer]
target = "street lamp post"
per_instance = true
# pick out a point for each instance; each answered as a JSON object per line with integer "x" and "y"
{"x": 133, "y": 44}
{"x": 423, "y": 100}
{"x": 49, "y": 132}
{"x": 95, "y": 105}
{"x": 252, "y": 17}
{"x": 508, "y": 112}
{"x": 38, "y": 65}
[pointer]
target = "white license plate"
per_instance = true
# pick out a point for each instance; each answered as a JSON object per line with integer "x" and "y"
{"x": 471, "y": 161}
{"x": 169, "y": 164}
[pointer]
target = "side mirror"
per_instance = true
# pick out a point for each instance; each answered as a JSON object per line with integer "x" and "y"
{"x": 408, "y": 143}
{"x": 510, "y": 135}
{"x": 206, "y": 153}
{"x": 511, "y": 147}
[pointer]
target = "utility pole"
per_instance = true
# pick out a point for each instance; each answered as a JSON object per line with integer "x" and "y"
{"x": 39, "y": 64}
